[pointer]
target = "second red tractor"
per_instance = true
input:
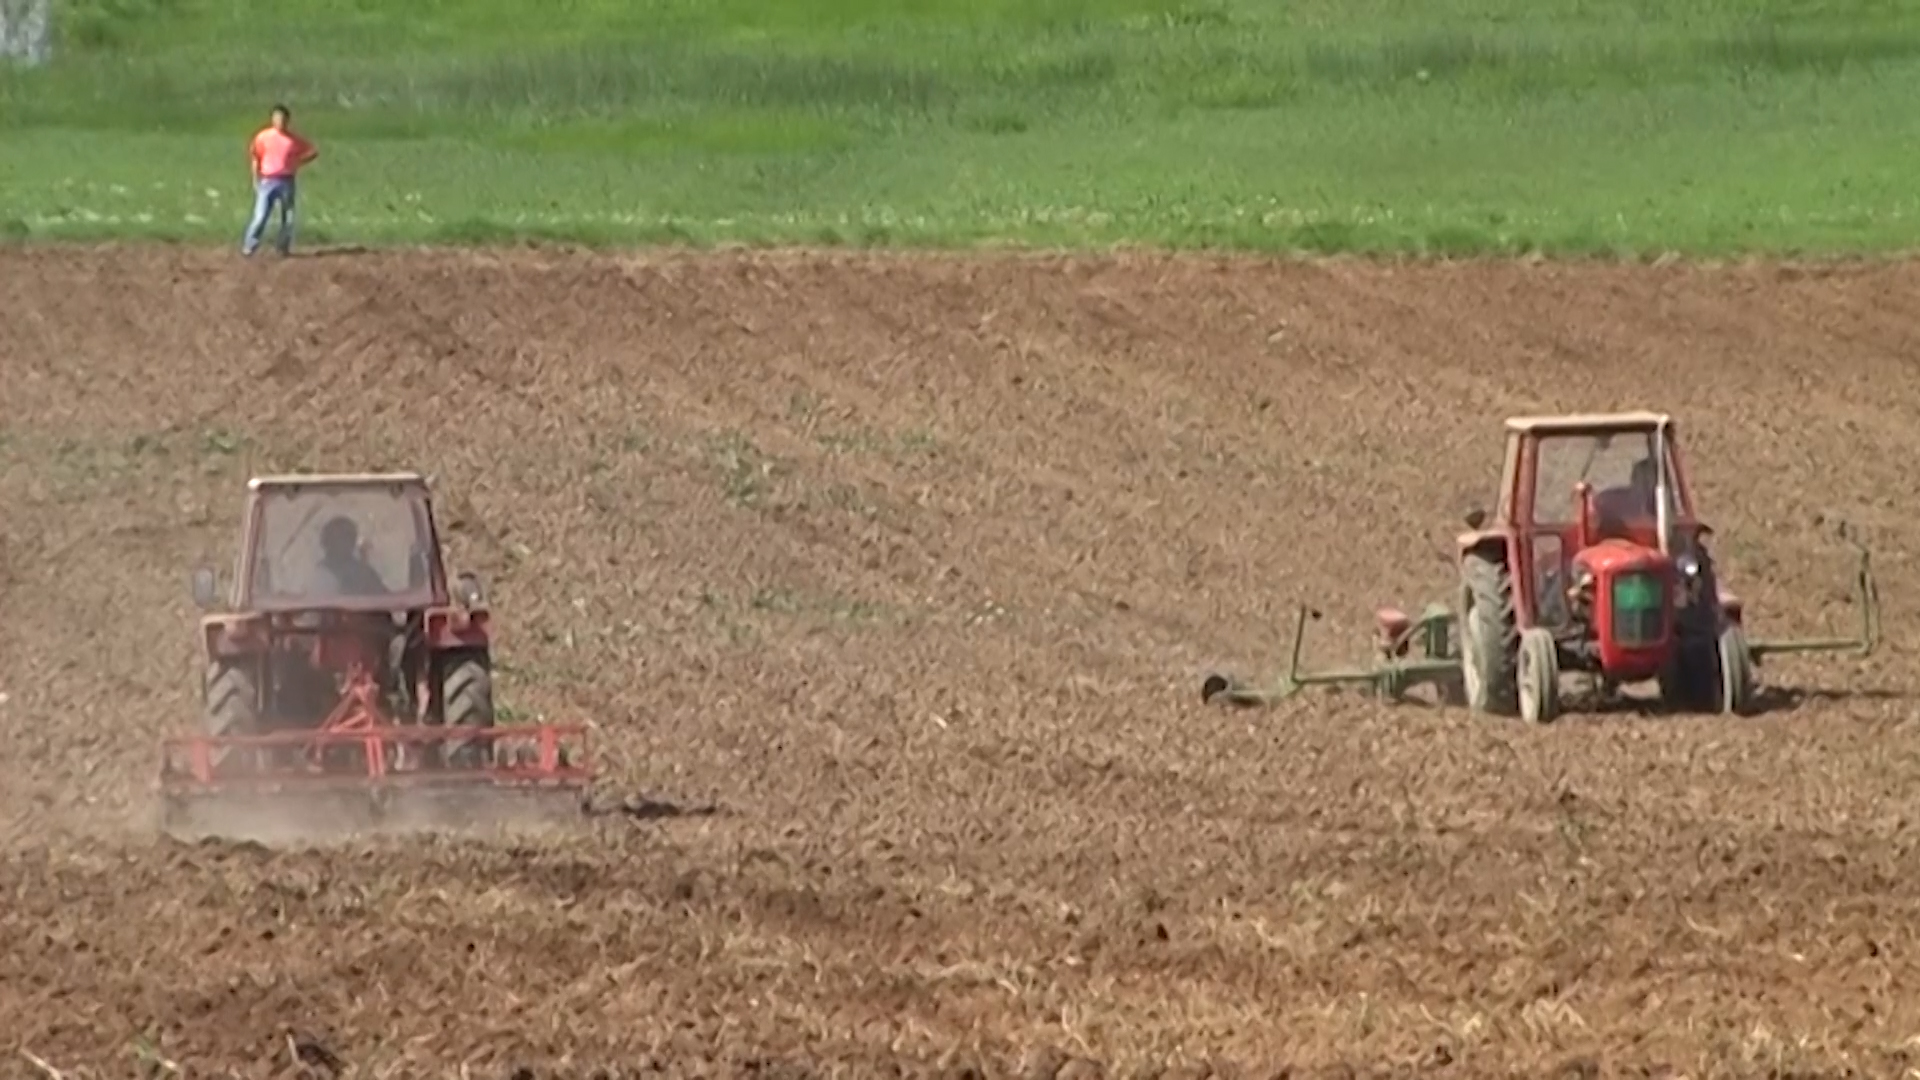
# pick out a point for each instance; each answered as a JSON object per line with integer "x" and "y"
{"x": 348, "y": 677}
{"x": 1593, "y": 561}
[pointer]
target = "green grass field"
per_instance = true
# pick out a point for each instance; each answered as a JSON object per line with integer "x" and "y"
{"x": 1600, "y": 126}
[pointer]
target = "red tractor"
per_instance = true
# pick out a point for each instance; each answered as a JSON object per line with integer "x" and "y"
{"x": 346, "y": 667}
{"x": 1594, "y": 562}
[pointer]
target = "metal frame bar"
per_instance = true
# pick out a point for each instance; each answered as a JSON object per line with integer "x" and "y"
{"x": 549, "y": 768}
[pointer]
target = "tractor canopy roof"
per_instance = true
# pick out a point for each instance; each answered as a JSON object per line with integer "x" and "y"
{"x": 287, "y": 480}
{"x": 1589, "y": 423}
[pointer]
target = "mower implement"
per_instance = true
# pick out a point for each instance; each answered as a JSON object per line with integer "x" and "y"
{"x": 1594, "y": 563}
{"x": 348, "y": 683}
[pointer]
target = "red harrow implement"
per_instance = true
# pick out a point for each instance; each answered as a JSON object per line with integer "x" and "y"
{"x": 348, "y": 687}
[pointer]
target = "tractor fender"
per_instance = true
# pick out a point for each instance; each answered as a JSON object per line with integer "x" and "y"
{"x": 1494, "y": 545}
{"x": 228, "y": 636}
{"x": 1730, "y": 604}
{"x": 459, "y": 628}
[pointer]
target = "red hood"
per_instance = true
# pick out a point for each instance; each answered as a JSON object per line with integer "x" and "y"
{"x": 1621, "y": 555}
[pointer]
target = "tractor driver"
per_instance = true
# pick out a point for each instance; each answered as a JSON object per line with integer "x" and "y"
{"x": 341, "y": 562}
{"x": 1645, "y": 480}
{"x": 1616, "y": 507}
{"x": 1636, "y": 500}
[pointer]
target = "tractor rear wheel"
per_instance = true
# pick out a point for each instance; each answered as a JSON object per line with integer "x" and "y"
{"x": 1737, "y": 688}
{"x": 1489, "y": 637}
{"x": 232, "y": 693}
{"x": 466, "y": 700}
{"x": 1691, "y": 679}
{"x": 1690, "y": 682}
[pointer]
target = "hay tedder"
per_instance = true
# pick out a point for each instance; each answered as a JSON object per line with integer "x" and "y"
{"x": 1594, "y": 562}
{"x": 349, "y": 684}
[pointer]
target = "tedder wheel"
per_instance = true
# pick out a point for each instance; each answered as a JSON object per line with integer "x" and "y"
{"x": 466, "y": 696}
{"x": 232, "y": 700}
{"x": 1736, "y": 672}
{"x": 1539, "y": 676}
{"x": 1489, "y": 639}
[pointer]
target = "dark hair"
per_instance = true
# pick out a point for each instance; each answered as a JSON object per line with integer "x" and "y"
{"x": 283, "y": 111}
{"x": 338, "y": 534}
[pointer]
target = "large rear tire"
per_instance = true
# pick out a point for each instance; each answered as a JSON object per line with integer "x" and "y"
{"x": 232, "y": 693}
{"x": 231, "y": 689}
{"x": 1738, "y": 687}
{"x": 466, "y": 700}
{"x": 1691, "y": 680}
{"x": 1489, "y": 637}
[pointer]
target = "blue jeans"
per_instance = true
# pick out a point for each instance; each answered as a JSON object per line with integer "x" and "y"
{"x": 268, "y": 192}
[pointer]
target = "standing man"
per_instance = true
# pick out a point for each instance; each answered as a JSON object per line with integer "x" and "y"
{"x": 277, "y": 155}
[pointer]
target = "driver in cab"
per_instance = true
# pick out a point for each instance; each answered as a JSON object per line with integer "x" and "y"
{"x": 341, "y": 563}
{"x": 1617, "y": 508}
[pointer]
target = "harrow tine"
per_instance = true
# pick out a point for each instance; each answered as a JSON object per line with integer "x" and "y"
{"x": 536, "y": 773}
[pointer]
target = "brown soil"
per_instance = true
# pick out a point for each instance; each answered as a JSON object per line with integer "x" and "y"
{"x": 910, "y": 567}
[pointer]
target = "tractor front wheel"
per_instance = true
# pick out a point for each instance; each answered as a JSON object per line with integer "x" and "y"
{"x": 466, "y": 700}
{"x": 1489, "y": 637}
{"x": 1538, "y": 679}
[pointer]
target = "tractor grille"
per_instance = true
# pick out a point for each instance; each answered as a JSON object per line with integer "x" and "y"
{"x": 1639, "y": 615}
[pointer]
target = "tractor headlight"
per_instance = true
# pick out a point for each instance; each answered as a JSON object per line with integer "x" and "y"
{"x": 1689, "y": 568}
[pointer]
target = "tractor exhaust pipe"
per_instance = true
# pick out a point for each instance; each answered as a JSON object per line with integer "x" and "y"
{"x": 1662, "y": 486}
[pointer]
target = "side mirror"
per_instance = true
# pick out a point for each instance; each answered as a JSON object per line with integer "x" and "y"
{"x": 468, "y": 590}
{"x": 206, "y": 592}
{"x": 1476, "y": 518}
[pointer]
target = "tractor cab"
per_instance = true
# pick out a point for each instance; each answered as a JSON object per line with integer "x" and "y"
{"x": 1595, "y": 489}
{"x": 365, "y": 543}
{"x": 1626, "y": 472}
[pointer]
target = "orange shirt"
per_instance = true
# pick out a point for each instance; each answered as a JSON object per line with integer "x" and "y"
{"x": 280, "y": 153}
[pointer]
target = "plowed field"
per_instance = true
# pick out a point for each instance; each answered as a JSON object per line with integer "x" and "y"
{"x": 890, "y": 582}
